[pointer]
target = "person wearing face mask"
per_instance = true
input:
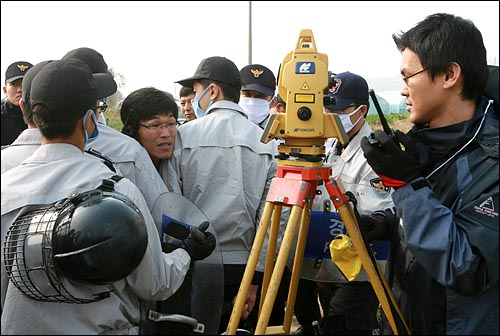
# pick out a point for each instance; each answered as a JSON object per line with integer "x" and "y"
{"x": 258, "y": 85}
{"x": 63, "y": 100}
{"x": 349, "y": 307}
{"x": 226, "y": 171}
{"x": 30, "y": 139}
{"x": 122, "y": 148}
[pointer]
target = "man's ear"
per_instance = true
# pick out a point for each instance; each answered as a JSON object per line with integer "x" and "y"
{"x": 214, "y": 91}
{"x": 21, "y": 104}
{"x": 452, "y": 74}
{"x": 273, "y": 102}
{"x": 364, "y": 110}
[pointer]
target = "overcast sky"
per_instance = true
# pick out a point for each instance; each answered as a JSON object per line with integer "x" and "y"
{"x": 157, "y": 43}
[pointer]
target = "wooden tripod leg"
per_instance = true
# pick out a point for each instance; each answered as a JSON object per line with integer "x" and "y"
{"x": 271, "y": 252}
{"x": 297, "y": 265}
{"x": 277, "y": 273}
{"x": 377, "y": 280}
{"x": 250, "y": 269}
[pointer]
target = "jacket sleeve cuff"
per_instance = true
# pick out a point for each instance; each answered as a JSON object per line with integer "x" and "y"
{"x": 419, "y": 183}
{"x": 257, "y": 278}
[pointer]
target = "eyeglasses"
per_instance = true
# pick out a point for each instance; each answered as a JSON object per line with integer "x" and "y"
{"x": 405, "y": 79}
{"x": 101, "y": 108}
{"x": 158, "y": 127}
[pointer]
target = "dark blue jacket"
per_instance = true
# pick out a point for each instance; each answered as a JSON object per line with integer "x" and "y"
{"x": 445, "y": 275}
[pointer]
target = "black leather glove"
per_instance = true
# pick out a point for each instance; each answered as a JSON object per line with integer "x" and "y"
{"x": 170, "y": 244}
{"x": 395, "y": 166}
{"x": 374, "y": 227}
{"x": 199, "y": 244}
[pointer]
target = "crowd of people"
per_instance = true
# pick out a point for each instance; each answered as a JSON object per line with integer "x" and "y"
{"x": 431, "y": 192}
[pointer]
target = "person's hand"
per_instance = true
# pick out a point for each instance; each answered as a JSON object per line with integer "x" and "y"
{"x": 249, "y": 301}
{"x": 170, "y": 244}
{"x": 396, "y": 165}
{"x": 200, "y": 243}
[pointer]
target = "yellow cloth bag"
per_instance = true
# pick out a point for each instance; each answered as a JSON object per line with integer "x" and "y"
{"x": 345, "y": 256}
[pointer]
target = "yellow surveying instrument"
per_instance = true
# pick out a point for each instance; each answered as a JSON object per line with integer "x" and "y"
{"x": 302, "y": 80}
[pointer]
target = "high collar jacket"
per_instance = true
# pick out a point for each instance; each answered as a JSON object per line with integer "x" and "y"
{"x": 450, "y": 276}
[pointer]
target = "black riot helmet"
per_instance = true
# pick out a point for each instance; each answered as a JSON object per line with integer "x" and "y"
{"x": 96, "y": 237}
{"x": 99, "y": 237}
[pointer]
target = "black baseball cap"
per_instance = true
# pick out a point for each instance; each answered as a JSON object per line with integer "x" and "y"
{"x": 215, "y": 68}
{"x": 95, "y": 61}
{"x": 28, "y": 79}
{"x": 90, "y": 56}
{"x": 348, "y": 89}
{"x": 256, "y": 77}
{"x": 17, "y": 70}
{"x": 68, "y": 88}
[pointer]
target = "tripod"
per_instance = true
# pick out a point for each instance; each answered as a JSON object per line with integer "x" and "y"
{"x": 295, "y": 186}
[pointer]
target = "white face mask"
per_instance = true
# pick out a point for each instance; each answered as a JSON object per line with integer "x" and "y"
{"x": 257, "y": 109}
{"x": 346, "y": 119}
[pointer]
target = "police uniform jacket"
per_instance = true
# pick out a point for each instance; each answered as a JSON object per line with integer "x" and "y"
{"x": 12, "y": 122}
{"x": 54, "y": 172}
{"x": 371, "y": 194}
{"x": 226, "y": 170}
{"x": 450, "y": 274}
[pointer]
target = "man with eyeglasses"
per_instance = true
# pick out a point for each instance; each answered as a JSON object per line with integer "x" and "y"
{"x": 63, "y": 98}
{"x": 149, "y": 115}
{"x": 444, "y": 266}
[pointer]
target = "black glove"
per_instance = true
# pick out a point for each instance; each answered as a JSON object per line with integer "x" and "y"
{"x": 199, "y": 244}
{"x": 170, "y": 244}
{"x": 395, "y": 166}
{"x": 374, "y": 227}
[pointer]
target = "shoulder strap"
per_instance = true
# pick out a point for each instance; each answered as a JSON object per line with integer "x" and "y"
{"x": 106, "y": 160}
{"x": 109, "y": 184}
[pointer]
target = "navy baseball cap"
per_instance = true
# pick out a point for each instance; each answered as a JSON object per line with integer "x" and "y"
{"x": 17, "y": 70}
{"x": 215, "y": 68}
{"x": 67, "y": 88}
{"x": 348, "y": 89}
{"x": 256, "y": 77}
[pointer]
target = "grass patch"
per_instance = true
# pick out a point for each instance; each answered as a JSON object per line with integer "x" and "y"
{"x": 396, "y": 120}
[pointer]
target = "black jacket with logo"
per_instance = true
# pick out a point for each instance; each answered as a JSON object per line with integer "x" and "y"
{"x": 12, "y": 122}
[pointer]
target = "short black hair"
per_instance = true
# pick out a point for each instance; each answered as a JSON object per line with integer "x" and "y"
{"x": 186, "y": 91}
{"x": 143, "y": 104}
{"x": 443, "y": 38}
